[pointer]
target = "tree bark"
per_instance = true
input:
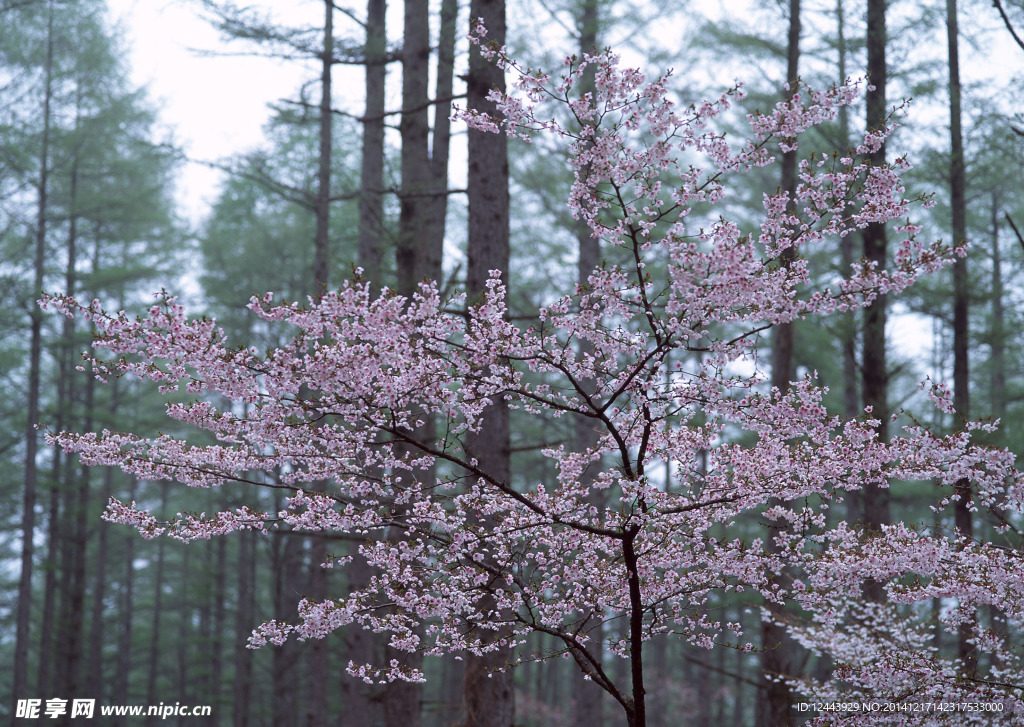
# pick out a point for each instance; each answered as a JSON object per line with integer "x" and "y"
{"x": 851, "y": 390}
{"x": 323, "y": 176}
{"x": 997, "y": 381}
{"x": 874, "y": 377}
{"x": 441, "y": 141}
{"x": 219, "y": 621}
{"x": 316, "y": 653}
{"x": 414, "y": 196}
{"x": 488, "y": 692}
{"x": 23, "y": 616}
{"x": 126, "y": 616}
{"x": 242, "y": 696}
{"x": 371, "y": 189}
{"x": 776, "y": 707}
{"x": 363, "y": 708}
{"x": 158, "y": 613}
{"x": 961, "y": 333}
{"x": 586, "y": 695}
{"x": 288, "y": 564}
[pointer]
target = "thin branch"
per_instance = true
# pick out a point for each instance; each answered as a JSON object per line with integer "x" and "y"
{"x": 999, "y": 6}
{"x": 1015, "y": 230}
{"x": 500, "y": 485}
{"x": 378, "y": 117}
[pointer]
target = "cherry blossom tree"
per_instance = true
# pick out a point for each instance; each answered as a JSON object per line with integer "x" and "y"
{"x": 467, "y": 562}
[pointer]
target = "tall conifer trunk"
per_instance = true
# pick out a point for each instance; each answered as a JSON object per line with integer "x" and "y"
{"x": 362, "y": 707}
{"x": 776, "y": 709}
{"x": 371, "y": 180}
{"x": 489, "y": 693}
{"x": 323, "y": 176}
{"x": 874, "y": 377}
{"x": 586, "y": 695}
{"x": 24, "y": 608}
{"x": 316, "y": 653}
{"x": 961, "y": 333}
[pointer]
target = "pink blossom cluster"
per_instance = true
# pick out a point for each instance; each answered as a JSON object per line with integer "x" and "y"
{"x": 337, "y": 418}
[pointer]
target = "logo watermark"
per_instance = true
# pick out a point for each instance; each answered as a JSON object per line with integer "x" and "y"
{"x": 86, "y": 709}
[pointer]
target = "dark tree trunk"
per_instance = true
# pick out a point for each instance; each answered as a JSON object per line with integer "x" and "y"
{"x": 488, "y": 692}
{"x": 317, "y": 649}
{"x": 874, "y": 377}
{"x": 95, "y": 659}
{"x": 285, "y": 659}
{"x": 127, "y": 616}
{"x": 586, "y": 694}
{"x": 23, "y": 615}
{"x": 441, "y": 141}
{"x": 414, "y": 196}
{"x": 997, "y": 381}
{"x": 156, "y": 623}
{"x": 776, "y": 707}
{"x": 219, "y": 621}
{"x": 74, "y": 597}
{"x": 361, "y": 707}
{"x": 183, "y": 633}
{"x": 961, "y": 333}
{"x": 242, "y": 696}
{"x": 77, "y": 495}
{"x": 851, "y": 388}
{"x": 323, "y": 190}
{"x": 371, "y": 189}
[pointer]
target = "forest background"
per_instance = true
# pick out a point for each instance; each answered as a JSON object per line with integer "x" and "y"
{"x": 91, "y": 202}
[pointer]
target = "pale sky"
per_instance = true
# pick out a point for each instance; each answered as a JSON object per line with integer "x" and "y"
{"x": 214, "y": 106}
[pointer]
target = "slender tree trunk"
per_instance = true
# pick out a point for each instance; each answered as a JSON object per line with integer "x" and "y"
{"x": 323, "y": 191}
{"x": 414, "y": 196}
{"x": 586, "y": 694}
{"x": 95, "y": 660}
{"x": 219, "y": 622}
{"x": 202, "y": 673}
{"x": 243, "y": 627}
{"x": 287, "y": 695}
{"x": 874, "y": 377}
{"x": 56, "y": 546}
{"x": 317, "y": 663}
{"x": 489, "y": 693}
{"x": 47, "y": 631}
{"x": 28, "y": 517}
{"x": 637, "y": 714}
{"x": 441, "y": 142}
{"x": 776, "y": 707}
{"x": 74, "y": 596}
{"x": 316, "y": 651}
{"x": 961, "y": 333}
{"x": 997, "y": 380}
{"x": 371, "y": 188}
{"x": 158, "y": 613}
{"x": 126, "y": 616}
{"x": 361, "y": 706}
{"x": 851, "y": 390}
{"x": 184, "y": 637}
{"x": 362, "y": 709}
{"x": 77, "y": 495}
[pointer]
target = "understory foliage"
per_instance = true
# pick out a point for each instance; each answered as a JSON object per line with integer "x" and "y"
{"x": 659, "y": 355}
